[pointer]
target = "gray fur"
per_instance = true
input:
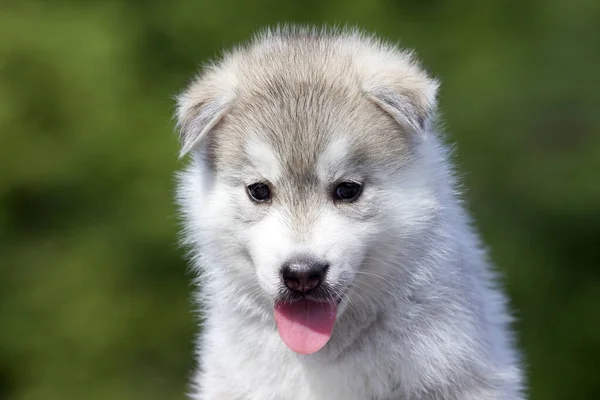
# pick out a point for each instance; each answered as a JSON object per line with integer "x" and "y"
{"x": 422, "y": 315}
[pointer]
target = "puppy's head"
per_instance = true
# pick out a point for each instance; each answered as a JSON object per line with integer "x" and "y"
{"x": 308, "y": 170}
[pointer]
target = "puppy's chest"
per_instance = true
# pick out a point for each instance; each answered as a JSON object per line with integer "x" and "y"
{"x": 271, "y": 371}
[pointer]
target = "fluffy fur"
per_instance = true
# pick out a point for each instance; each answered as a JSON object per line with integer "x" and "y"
{"x": 422, "y": 316}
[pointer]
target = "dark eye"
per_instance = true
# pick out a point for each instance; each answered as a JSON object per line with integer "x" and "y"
{"x": 259, "y": 192}
{"x": 347, "y": 191}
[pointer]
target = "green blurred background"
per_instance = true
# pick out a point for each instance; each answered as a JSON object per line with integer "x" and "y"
{"x": 94, "y": 291}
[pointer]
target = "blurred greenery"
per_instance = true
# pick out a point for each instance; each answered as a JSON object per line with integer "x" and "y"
{"x": 94, "y": 290}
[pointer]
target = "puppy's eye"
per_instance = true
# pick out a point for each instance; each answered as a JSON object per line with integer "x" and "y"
{"x": 347, "y": 191}
{"x": 259, "y": 192}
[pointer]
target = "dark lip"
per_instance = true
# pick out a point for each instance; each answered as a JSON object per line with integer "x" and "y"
{"x": 320, "y": 294}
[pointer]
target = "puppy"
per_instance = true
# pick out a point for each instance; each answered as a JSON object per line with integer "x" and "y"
{"x": 335, "y": 258}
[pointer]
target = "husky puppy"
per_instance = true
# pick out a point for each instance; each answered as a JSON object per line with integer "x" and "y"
{"x": 336, "y": 259}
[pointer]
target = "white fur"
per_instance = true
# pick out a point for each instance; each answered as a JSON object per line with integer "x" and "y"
{"x": 422, "y": 316}
{"x": 263, "y": 160}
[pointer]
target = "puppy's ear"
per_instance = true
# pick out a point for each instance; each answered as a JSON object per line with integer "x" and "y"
{"x": 202, "y": 105}
{"x": 401, "y": 88}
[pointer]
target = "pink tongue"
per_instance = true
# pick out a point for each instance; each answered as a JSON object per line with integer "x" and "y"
{"x": 305, "y": 326}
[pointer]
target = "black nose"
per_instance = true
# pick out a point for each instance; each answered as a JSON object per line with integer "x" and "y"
{"x": 303, "y": 275}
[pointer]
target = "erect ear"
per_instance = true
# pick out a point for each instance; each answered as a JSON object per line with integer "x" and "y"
{"x": 402, "y": 89}
{"x": 202, "y": 105}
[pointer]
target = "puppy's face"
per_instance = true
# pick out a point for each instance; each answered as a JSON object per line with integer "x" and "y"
{"x": 311, "y": 183}
{"x": 307, "y": 172}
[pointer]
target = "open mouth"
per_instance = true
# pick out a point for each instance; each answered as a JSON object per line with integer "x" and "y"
{"x": 305, "y": 324}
